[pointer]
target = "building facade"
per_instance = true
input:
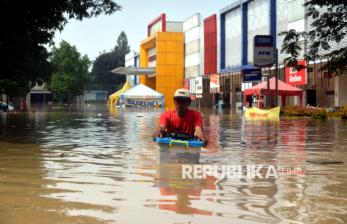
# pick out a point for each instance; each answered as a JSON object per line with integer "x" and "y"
{"x": 193, "y": 52}
{"x": 241, "y": 21}
{"x": 132, "y": 59}
{"x": 38, "y": 94}
{"x": 163, "y": 50}
{"x": 208, "y": 56}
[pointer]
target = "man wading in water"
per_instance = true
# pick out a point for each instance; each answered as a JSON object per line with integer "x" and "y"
{"x": 182, "y": 120}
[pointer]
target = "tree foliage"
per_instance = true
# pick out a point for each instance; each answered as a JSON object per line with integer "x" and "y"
{"x": 70, "y": 72}
{"x": 329, "y": 26}
{"x": 108, "y": 61}
{"x": 29, "y": 25}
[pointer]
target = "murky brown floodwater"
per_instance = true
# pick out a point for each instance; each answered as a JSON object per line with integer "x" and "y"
{"x": 92, "y": 166}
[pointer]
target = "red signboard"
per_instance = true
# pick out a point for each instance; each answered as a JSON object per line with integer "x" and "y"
{"x": 214, "y": 83}
{"x": 186, "y": 84}
{"x": 296, "y": 77}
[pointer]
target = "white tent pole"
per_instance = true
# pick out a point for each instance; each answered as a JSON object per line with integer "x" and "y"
{"x": 120, "y": 103}
{"x": 162, "y": 102}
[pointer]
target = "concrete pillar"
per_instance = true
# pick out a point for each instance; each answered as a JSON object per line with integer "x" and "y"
{"x": 340, "y": 90}
{"x": 232, "y": 93}
{"x": 28, "y": 100}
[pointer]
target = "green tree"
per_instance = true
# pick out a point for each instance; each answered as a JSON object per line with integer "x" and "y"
{"x": 70, "y": 72}
{"x": 105, "y": 62}
{"x": 29, "y": 25}
{"x": 329, "y": 27}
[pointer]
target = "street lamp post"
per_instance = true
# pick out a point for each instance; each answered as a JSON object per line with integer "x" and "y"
{"x": 276, "y": 77}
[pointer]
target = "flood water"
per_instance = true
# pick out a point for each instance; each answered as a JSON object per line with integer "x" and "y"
{"x": 94, "y": 166}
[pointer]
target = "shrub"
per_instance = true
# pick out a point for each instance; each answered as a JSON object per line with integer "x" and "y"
{"x": 319, "y": 115}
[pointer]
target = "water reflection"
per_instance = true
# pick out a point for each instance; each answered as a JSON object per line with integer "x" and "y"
{"x": 261, "y": 135}
{"x": 172, "y": 184}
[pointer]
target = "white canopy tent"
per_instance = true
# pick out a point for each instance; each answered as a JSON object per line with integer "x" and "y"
{"x": 141, "y": 95}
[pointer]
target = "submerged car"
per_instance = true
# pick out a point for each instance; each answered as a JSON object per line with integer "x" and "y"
{"x": 4, "y": 106}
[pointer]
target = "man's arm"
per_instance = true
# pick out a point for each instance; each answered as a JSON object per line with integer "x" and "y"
{"x": 161, "y": 127}
{"x": 199, "y": 133}
{"x": 199, "y": 128}
{"x": 159, "y": 131}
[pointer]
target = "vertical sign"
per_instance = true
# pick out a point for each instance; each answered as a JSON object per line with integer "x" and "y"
{"x": 198, "y": 87}
{"x": 192, "y": 86}
{"x": 214, "y": 83}
{"x": 263, "y": 55}
{"x": 186, "y": 84}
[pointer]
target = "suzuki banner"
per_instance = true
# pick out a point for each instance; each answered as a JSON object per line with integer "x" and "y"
{"x": 296, "y": 77}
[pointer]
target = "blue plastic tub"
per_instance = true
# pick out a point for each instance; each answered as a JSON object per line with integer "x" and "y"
{"x": 176, "y": 142}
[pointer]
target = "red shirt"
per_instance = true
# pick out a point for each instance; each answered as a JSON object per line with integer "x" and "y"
{"x": 186, "y": 124}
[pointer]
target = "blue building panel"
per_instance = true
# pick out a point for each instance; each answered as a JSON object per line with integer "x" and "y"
{"x": 246, "y": 30}
{"x": 244, "y": 59}
{"x": 273, "y": 19}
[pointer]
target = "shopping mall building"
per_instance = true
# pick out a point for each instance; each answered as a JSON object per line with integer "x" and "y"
{"x": 208, "y": 55}
{"x": 241, "y": 21}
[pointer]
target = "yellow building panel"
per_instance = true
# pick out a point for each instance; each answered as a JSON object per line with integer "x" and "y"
{"x": 165, "y": 36}
{"x": 148, "y": 42}
{"x": 169, "y": 63}
{"x": 170, "y": 70}
{"x": 171, "y": 59}
{"x": 161, "y": 60}
{"x": 161, "y": 46}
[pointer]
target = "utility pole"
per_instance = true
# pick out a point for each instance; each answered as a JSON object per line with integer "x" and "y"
{"x": 268, "y": 97}
{"x": 276, "y": 77}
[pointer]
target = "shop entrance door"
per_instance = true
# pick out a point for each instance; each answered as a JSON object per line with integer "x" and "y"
{"x": 311, "y": 97}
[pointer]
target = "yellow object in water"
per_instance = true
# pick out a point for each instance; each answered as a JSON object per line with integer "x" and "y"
{"x": 261, "y": 114}
{"x": 113, "y": 98}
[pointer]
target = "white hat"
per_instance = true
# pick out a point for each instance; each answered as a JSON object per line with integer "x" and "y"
{"x": 182, "y": 93}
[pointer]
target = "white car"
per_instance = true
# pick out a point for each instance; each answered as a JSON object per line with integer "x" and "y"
{"x": 3, "y": 106}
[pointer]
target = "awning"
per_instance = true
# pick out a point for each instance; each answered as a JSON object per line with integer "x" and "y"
{"x": 284, "y": 89}
{"x": 134, "y": 71}
{"x": 142, "y": 95}
{"x": 140, "y": 92}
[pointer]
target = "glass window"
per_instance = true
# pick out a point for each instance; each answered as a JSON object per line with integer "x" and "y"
{"x": 233, "y": 38}
{"x": 258, "y": 22}
{"x": 296, "y": 10}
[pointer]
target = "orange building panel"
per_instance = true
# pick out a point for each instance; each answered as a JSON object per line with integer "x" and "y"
{"x": 169, "y": 63}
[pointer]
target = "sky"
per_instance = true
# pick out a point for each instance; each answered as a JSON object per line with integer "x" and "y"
{"x": 95, "y": 35}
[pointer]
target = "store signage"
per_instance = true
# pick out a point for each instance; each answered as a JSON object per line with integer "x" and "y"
{"x": 251, "y": 75}
{"x": 198, "y": 85}
{"x": 186, "y": 84}
{"x": 214, "y": 83}
{"x": 192, "y": 86}
{"x": 296, "y": 77}
{"x": 263, "y": 54}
